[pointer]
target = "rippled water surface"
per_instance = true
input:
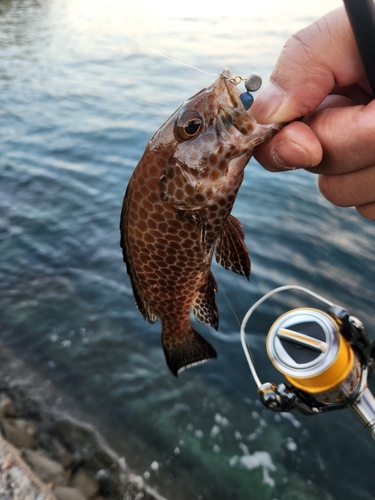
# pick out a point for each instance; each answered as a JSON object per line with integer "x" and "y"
{"x": 79, "y": 100}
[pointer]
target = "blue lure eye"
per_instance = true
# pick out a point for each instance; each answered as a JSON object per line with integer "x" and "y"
{"x": 247, "y": 100}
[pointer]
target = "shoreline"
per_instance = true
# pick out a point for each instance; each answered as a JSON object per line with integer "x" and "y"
{"x": 50, "y": 452}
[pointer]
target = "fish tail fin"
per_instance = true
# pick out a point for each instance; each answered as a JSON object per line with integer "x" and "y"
{"x": 191, "y": 349}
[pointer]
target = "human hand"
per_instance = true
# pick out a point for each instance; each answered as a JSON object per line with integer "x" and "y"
{"x": 319, "y": 76}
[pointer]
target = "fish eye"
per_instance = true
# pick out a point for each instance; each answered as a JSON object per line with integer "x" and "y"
{"x": 188, "y": 126}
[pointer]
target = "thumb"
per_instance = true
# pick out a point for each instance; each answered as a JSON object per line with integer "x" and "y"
{"x": 313, "y": 61}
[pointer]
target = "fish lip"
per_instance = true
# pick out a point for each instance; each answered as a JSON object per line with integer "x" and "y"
{"x": 226, "y": 73}
{"x": 228, "y": 102}
{"x": 224, "y": 86}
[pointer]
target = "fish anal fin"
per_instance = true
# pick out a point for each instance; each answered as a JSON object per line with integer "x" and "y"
{"x": 142, "y": 305}
{"x": 231, "y": 251}
{"x": 188, "y": 350}
{"x": 205, "y": 307}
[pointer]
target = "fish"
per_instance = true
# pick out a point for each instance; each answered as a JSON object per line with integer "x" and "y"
{"x": 177, "y": 211}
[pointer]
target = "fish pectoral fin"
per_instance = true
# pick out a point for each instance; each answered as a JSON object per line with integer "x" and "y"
{"x": 187, "y": 350}
{"x": 205, "y": 307}
{"x": 231, "y": 251}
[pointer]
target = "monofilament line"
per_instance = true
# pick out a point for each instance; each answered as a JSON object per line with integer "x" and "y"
{"x": 163, "y": 55}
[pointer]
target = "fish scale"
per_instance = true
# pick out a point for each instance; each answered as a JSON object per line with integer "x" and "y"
{"x": 177, "y": 208}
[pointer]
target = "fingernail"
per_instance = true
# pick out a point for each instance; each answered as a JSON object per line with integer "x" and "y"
{"x": 289, "y": 155}
{"x": 267, "y": 102}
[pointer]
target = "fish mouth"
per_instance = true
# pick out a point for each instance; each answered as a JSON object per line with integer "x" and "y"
{"x": 234, "y": 124}
{"x": 226, "y": 90}
{"x": 230, "y": 110}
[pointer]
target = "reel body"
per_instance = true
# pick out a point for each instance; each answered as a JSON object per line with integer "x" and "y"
{"x": 325, "y": 357}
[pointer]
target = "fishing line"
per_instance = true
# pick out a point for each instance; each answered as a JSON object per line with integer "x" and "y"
{"x": 164, "y": 55}
{"x": 253, "y": 82}
{"x": 235, "y": 80}
{"x": 222, "y": 290}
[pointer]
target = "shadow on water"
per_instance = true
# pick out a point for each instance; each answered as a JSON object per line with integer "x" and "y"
{"x": 77, "y": 116}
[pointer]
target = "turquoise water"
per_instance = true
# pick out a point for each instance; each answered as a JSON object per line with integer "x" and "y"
{"x": 78, "y": 102}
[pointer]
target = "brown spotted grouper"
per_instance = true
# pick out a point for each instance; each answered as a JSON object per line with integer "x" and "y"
{"x": 176, "y": 211}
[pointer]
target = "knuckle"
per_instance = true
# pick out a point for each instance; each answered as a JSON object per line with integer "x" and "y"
{"x": 331, "y": 188}
{"x": 263, "y": 155}
{"x": 367, "y": 211}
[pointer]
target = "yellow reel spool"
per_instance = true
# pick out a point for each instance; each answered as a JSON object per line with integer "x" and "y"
{"x": 306, "y": 346}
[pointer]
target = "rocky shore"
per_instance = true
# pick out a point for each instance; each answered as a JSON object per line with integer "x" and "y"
{"x": 46, "y": 454}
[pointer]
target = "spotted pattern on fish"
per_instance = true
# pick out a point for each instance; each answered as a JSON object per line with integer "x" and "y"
{"x": 177, "y": 209}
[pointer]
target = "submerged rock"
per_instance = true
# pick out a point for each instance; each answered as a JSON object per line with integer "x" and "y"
{"x": 7, "y": 408}
{"x": 66, "y": 493}
{"x": 59, "y": 458}
{"x": 21, "y": 433}
{"x": 85, "y": 484}
{"x": 46, "y": 469}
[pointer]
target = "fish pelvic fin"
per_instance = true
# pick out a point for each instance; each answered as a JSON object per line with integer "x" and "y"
{"x": 231, "y": 251}
{"x": 189, "y": 350}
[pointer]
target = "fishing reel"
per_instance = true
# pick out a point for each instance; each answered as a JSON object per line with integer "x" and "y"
{"x": 326, "y": 358}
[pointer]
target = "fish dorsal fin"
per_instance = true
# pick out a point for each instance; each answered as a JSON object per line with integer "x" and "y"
{"x": 205, "y": 308}
{"x": 231, "y": 251}
{"x": 138, "y": 296}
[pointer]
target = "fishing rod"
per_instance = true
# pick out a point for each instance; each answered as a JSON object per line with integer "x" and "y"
{"x": 361, "y": 14}
{"x": 325, "y": 356}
